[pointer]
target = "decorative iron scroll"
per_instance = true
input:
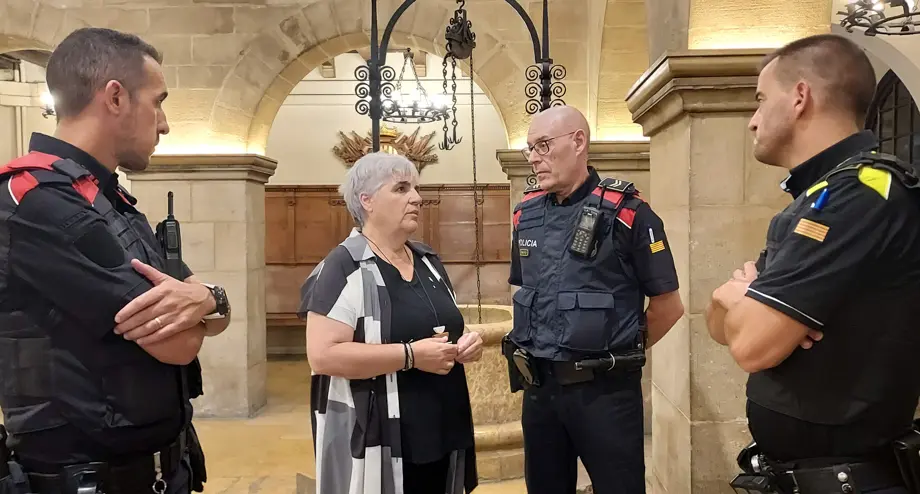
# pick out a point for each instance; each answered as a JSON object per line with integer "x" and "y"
{"x": 546, "y": 93}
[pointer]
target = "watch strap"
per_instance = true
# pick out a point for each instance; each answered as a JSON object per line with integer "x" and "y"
{"x": 222, "y": 306}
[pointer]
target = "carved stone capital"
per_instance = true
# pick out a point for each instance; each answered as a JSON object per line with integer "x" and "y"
{"x": 696, "y": 81}
{"x": 605, "y": 156}
{"x": 197, "y": 167}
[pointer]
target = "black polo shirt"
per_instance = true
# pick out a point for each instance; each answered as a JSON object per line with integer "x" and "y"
{"x": 61, "y": 253}
{"x": 843, "y": 258}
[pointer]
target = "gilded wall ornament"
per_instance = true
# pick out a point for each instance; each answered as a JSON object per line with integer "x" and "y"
{"x": 416, "y": 149}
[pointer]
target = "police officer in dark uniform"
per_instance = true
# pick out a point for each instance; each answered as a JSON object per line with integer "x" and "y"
{"x": 586, "y": 254}
{"x": 826, "y": 320}
{"x": 95, "y": 339}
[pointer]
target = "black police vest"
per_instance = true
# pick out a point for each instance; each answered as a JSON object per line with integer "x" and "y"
{"x": 848, "y": 388}
{"x": 580, "y": 306}
{"x": 100, "y": 385}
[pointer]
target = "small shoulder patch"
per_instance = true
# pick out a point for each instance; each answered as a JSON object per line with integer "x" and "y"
{"x": 816, "y": 187}
{"x": 617, "y": 185}
{"x": 876, "y": 179}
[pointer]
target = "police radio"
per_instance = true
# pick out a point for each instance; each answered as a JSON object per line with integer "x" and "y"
{"x": 583, "y": 240}
{"x": 171, "y": 240}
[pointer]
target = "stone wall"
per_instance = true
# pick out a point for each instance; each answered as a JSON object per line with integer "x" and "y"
{"x": 229, "y": 65}
{"x": 716, "y": 202}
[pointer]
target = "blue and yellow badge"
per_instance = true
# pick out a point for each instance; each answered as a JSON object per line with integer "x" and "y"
{"x": 812, "y": 229}
{"x": 655, "y": 246}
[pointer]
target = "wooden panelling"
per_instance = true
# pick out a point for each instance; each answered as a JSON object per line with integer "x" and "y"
{"x": 303, "y": 223}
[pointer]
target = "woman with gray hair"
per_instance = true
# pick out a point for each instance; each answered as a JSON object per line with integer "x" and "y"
{"x": 386, "y": 343}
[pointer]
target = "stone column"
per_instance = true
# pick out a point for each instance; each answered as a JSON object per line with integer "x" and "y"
{"x": 625, "y": 160}
{"x": 219, "y": 201}
{"x": 716, "y": 201}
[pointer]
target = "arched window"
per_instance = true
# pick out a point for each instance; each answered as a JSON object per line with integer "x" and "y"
{"x": 894, "y": 118}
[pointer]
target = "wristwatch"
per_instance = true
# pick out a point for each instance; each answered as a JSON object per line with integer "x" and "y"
{"x": 222, "y": 308}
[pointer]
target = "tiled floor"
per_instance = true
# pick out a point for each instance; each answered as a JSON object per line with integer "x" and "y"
{"x": 267, "y": 454}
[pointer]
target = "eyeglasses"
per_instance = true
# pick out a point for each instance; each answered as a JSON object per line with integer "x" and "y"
{"x": 542, "y": 147}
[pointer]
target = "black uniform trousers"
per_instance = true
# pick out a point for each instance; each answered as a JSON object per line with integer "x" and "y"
{"x": 599, "y": 421}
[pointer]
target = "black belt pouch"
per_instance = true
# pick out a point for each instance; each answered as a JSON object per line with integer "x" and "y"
{"x": 196, "y": 461}
{"x": 907, "y": 452}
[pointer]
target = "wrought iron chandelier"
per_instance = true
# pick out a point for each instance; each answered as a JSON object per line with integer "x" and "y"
{"x": 375, "y": 88}
{"x": 876, "y": 17}
{"x": 412, "y": 105}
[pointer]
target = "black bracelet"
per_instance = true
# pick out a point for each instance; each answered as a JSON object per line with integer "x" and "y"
{"x": 411, "y": 356}
{"x": 406, "y": 364}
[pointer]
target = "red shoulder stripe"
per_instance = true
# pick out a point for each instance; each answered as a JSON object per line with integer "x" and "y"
{"x": 533, "y": 195}
{"x": 20, "y": 184}
{"x": 87, "y": 188}
{"x": 528, "y": 196}
{"x": 32, "y": 160}
{"x": 626, "y": 216}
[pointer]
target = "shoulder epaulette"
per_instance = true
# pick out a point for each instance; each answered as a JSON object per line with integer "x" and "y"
{"x": 532, "y": 188}
{"x": 617, "y": 185}
{"x": 876, "y": 171}
{"x": 531, "y": 192}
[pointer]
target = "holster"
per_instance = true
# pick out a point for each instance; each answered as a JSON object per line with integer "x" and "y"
{"x": 756, "y": 476}
{"x": 907, "y": 453}
{"x": 196, "y": 461}
{"x": 515, "y": 377}
{"x": 15, "y": 480}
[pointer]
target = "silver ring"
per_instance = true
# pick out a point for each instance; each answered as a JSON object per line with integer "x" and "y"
{"x": 159, "y": 322}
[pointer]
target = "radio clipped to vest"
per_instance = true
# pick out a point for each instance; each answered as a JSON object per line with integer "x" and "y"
{"x": 585, "y": 232}
{"x": 584, "y": 240}
{"x": 170, "y": 240}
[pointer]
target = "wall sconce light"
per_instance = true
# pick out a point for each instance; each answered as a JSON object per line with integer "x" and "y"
{"x": 47, "y": 104}
{"x": 871, "y": 16}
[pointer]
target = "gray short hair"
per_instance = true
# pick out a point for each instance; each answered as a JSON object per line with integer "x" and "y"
{"x": 368, "y": 175}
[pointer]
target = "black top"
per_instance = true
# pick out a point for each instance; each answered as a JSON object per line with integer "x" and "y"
{"x": 61, "y": 251}
{"x": 655, "y": 270}
{"x": 435, "y": 415}
{"x": 849, "y": 266}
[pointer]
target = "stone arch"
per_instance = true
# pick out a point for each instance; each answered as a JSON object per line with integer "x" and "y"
{"x": 896, "y": 52}
{"x": 285, "y": 81}
{"x": 281, "y": 55}
{"x": 34, "y": 25}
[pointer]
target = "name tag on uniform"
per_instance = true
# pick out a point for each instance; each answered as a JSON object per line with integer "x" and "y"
{"x": 525, "y": 252}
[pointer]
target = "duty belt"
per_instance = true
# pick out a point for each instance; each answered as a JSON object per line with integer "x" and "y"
{"x": 146, "y": 474}
{"x": 844, "y": 476}
{"x": 578, "y": 371}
